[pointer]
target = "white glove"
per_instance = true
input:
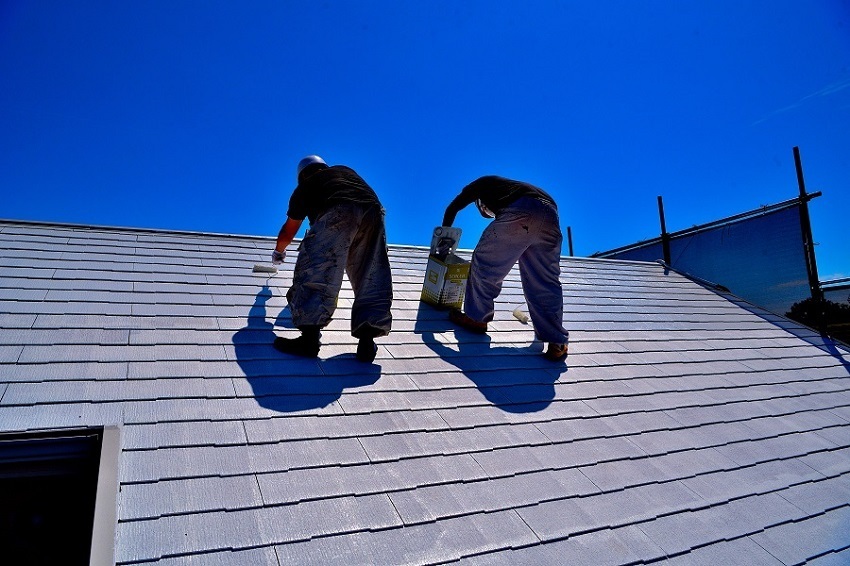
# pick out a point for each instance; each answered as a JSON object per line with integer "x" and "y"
{"x": 277, "y": 257}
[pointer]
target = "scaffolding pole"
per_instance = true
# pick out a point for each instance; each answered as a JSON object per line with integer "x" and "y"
{"x": 665, "y": 237}
{"x": 806, "y": 225}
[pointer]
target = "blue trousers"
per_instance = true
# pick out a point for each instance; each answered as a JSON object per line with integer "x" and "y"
{"x": 527, "y": 231}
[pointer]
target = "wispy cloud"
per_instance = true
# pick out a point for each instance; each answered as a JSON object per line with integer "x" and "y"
{"x": 828, "y": 90}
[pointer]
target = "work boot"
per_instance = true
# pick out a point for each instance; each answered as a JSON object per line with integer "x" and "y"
{"x": 462, "y": 319}
{"x": 306, "y": 345}
{"x": 556, "y": 352}
{"x": 367, "y": 350}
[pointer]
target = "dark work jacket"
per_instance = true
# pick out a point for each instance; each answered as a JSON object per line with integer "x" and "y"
{"x": 326, "y": 187}
{"x": 495, "y": 193}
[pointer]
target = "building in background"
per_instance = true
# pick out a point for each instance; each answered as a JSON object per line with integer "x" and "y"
{"x": 758, "y": 255}
{"x": 765, "y": 256}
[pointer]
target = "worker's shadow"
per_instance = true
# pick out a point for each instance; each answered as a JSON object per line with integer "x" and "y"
{"x": 286, "y": 383}
{"x": 513, "y": 378}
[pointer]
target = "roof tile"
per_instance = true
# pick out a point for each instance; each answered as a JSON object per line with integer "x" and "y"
{"x": 367, "y": 478}
{"x": 686, "y": 425}
{"x": 795, "y": 543}
{"x": 422, "y": 544}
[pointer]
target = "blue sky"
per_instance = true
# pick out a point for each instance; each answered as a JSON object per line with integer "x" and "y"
{"x": 192, "y": 115}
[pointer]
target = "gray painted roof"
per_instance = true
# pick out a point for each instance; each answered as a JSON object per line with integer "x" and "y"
{"x": 687, "y": 424}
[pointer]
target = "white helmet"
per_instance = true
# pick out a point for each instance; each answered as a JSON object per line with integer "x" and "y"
{"x": 307, "y": 161}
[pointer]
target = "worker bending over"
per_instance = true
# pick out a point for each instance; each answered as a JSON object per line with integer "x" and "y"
{"x": 525, "y": 229}
{"x": 347, "y": 234}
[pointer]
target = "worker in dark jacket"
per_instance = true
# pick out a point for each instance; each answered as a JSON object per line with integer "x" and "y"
{"x": 346, "y": 235}
{"x": 525, "y": 229}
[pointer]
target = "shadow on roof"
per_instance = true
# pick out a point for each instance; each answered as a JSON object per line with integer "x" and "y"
{"x": 515, "y": 379}
{"x": 833, "y": 347}
{"x": 287, "y": 383}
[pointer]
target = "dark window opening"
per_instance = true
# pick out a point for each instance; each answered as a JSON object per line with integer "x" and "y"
{"x": 48, "y": 483}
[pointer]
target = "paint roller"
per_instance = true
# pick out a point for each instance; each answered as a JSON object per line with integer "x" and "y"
{"x": 258, "y": 268}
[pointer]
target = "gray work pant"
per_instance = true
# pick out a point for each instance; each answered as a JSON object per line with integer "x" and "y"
{"x": 527, "y": 231}
{"x": 347, "y": 238}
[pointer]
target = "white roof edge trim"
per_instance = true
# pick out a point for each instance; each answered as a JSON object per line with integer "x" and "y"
{"x": 106, "y": 501}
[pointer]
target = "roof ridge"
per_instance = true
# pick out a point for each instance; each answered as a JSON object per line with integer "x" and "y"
{"x": 106, "y": 227}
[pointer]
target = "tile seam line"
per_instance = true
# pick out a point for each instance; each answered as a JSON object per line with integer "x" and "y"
{"x": 517, "y": 355}
{"x": 672, "y": 513}
{"x": 548, "y": 442}
{"x": 195, "y": 553}
{"x": 637, "y": 523}
{"x": 663, "y": 377}
{"x": 586, "y": 400}
{"x": 577, "y": 467}
{"x": 457, "y": 515}
{"x": 826, "y": 553}
{"x": 792, "y": 521}
{"x": 343, "y": 412}
{"x": 358, "y": 530}
{"x": 449, "y": 428}
{"x": 470, "y": 386}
